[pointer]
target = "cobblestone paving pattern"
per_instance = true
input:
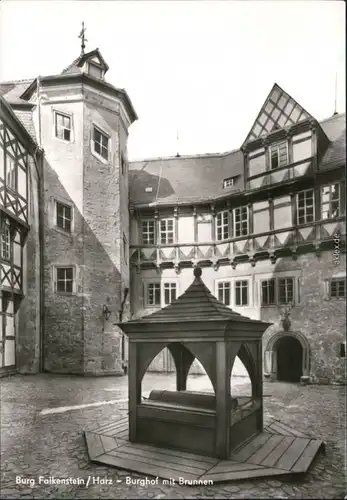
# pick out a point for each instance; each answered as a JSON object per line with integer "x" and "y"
{"x": 34, "y": 445}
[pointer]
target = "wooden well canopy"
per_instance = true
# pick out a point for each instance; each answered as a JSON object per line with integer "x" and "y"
{"x": 196, "y": 325}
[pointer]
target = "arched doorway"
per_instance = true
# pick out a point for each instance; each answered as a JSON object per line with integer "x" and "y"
{"x": 289, "y": 359}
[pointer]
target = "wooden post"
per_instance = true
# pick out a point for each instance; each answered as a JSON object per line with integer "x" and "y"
{"x": 222, "y": 401}
{"x": 134, "y": 390}
{"x": 259, "y": 376}
{"x": 181, "y": 375}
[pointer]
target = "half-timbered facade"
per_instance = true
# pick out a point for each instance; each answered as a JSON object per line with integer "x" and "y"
{"x": 267, "y": 222}
{"x": 20, "y": 248}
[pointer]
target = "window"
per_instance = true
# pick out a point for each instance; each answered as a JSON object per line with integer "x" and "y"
{"x": 241, "y": 293}
{"x": 241, "y": 217}
{"x": 125, "y": 248}
{"x": 166, "y": 231}
{"x": 64, "y": 216}
{"x": 100, "y": 142}
{"x": 224, "y": 292}
{"x": 6, "y": 243}
{"x": 343, "y": 349}
{"x": 330, "y": 201}
{"x": 305, "y": 207}
{"x": 10, "y": 172}
{"x": 268, "y": 295}
{"x": 148, "y": 232}
{"x": 278, "y": 155}
{"x": 228, "y": 182}
{"x": 153, "y": 294}
{"x": 64, "y": 279}
{"x": 286, "y": 290}
{"x": 222, "y": 225}
{"x": 169, "y": 293}
{"x": 337, "y": 288}
{"x": 63, "y": 127}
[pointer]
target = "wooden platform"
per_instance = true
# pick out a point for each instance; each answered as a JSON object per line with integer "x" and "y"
{"x": 279, "y": 450}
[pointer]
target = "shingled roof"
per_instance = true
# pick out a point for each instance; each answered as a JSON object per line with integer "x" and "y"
{"x": 199, "y": 179}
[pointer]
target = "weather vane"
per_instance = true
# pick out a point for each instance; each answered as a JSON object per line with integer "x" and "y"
{"x": 83, "y": 38}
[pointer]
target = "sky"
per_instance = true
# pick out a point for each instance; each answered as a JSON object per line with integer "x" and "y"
{"x": 200, "y": 70}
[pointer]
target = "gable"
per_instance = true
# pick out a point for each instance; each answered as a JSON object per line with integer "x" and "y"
{"x": 279, "y": 111}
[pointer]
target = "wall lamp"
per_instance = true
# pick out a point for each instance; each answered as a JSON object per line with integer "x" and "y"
{"x": 106, "y": 312}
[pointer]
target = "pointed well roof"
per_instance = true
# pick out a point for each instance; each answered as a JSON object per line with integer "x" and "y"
{"x": 279, "y": 111}
{"x": 196, "y": 304}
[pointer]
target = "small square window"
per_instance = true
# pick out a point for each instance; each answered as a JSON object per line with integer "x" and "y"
{"x": 64, "y": 216}
{"x": 63, "y": 127}
{"x": 100, "y": 143}
{"x": 64, "y": 279}
{"x": 228, "y": 182}
{"x": 337, "y": 288}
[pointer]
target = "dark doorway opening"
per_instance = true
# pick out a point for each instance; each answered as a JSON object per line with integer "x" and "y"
{"x": 289, "y": 359}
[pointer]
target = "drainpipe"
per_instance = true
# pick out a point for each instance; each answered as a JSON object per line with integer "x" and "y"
{"x": 38, "y": 160}
{"x": 126, "y": 291}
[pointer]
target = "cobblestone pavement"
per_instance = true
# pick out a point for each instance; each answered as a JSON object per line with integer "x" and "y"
{"x": 52, "y": 444}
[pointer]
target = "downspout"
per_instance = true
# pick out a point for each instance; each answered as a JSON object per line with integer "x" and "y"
{"x": 126, "y": 291}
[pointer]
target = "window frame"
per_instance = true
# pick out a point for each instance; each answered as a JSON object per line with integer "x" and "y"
{"x": 167, "y": 231}
{"x": 221, "y": 289}
{"x": 65, "y": 205}
{"x": 297, "y": 221}
{"x": 6, "y": 230}
{"x": 228, "y": 182}
{"x": 329, "y": 203}
{"x": 241, "y": 280}
{"x": 143, "y": 233}
{"x": 236, "y": 224}
{"x": 285, "y": 278}
{"x": 170, "y": 288}
{"x": 147, "y": 284}
{"x": 274, "y": 281}
{"x": 276, "y": 146}
{"x": 337, "y": 280}
{"x": 55, "y": 279}
{"x": 97, "y": 155}
{"x": 63, "y": 114}
{"x": 222, "y": 225}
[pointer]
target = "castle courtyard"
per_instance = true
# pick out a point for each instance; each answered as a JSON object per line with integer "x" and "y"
{"x": 42, "y": 443}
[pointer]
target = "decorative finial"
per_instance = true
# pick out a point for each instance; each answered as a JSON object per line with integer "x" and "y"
{"x": 83, "y": 38}
{"x": 197, "y": 272}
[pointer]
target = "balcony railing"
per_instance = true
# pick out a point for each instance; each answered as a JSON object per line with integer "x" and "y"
{"x": 248, "y": 247}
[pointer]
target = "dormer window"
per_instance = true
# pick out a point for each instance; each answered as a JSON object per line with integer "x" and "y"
{"x": 228, "y": 182}
{"x": 95, "y": 70}
{"x": 278, "y": 155}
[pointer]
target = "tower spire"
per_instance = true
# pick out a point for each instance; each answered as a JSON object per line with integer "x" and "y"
{"x": 83, "y": 38}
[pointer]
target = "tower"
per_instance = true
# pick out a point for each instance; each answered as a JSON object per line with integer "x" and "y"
{"x": 82, "y": 124}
